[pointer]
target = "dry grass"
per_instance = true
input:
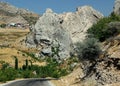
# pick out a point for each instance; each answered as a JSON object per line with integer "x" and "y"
{"x": 12, "y": 37}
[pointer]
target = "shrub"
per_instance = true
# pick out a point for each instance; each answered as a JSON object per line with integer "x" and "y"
{"x": 27, "y": 74}
{"x": 88, "y": 49}
{"x": 5, "y": 65}
{"x": 3, "y": 25}
{"x": 8, "y": 74}
{"x": 51, "y": 69}
{"x": 101, "y": 30}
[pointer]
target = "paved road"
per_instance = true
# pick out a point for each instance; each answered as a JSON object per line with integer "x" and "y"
{"x": 29, "y": 82}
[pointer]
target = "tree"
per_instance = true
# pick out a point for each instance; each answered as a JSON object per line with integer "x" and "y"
{"x": 26, "y": 62}
{"x": 16, "y": 62}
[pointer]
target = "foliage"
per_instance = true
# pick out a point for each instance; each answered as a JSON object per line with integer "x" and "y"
{"x": 26, "y": 63}
{"x": 52, "y": 69}
{"x": 27, "y": 74}
{"x": 16, "y": 62}
{"x": 101, "y": 30}
{"x": 4, "y": 65}
{"x": 55, "y": 50}
{"x": 8, "y": 74}
{"x": 88, "y": 49}
{"x": 3, "y": 25}
{"x": 32, "y": 55}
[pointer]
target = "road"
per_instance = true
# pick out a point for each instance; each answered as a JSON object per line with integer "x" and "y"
{"x": 29, "y": 82}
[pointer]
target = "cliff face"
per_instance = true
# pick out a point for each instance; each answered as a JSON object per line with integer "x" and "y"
{"x": 78, "y": 23}
{"x": 54, "y": 30}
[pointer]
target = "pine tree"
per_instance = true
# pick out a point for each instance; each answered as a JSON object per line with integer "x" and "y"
{"x": 16, "y": 62}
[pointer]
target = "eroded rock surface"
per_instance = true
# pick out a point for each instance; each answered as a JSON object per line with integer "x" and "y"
{"x": 105, "y": 71}
{"x": 56, "y": 33}
{"x": 79, "y": 22}
{"x": 50, "y": 35}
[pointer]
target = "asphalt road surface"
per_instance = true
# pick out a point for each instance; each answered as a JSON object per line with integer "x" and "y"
{"x": 29, "y": 82}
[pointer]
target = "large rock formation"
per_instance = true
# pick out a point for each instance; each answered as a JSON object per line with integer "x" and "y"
{"x": 79, "y": 22}
{"x": 49, "y": 34}
{"x": 55, "y": 33}
{"x": 117, "y": 7}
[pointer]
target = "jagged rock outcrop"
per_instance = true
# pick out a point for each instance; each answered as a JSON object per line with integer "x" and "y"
{"x": 57, "y": 32}
{"x": 79, "y": 22}
{"x": 117, "y": 7}
{"x": 50, "y": 35}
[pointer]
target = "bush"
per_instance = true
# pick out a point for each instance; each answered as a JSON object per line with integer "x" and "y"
{"x": 8, "y": 74}
{"x": 51, "y": 69}
{"x": 5, "y": 66}
{"x": 101, "y": 30}
{"x": 88, "y": 49}
{"x": 3, "y": 25}
{"x": 27, "y": 74}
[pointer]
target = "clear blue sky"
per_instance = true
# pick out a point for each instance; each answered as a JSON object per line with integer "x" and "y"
{"x": 60, "y": 6}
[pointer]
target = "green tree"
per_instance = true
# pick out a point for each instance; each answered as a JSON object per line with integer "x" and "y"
{"x": 26, "y": 63}
{"x": 16, "y": 62}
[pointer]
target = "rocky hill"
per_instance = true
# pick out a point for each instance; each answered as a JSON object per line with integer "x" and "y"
{"x": 12, "y": 9}
{"x": 7, "y": 11}
{"x": 106, "y": 70}
{"x": 56, "y": 33}
{"x": 48, "y": 31}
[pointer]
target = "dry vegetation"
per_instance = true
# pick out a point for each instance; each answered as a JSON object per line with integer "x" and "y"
{"x": 10, "y": 46}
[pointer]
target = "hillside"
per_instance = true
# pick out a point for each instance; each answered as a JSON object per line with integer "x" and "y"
{"x": 7, "y": 11}
{"x": 80, "y": 48}
{"x": 10, "y": 46}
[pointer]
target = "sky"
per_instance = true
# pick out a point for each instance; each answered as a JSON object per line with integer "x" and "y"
{"x": 60, "y": 6}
